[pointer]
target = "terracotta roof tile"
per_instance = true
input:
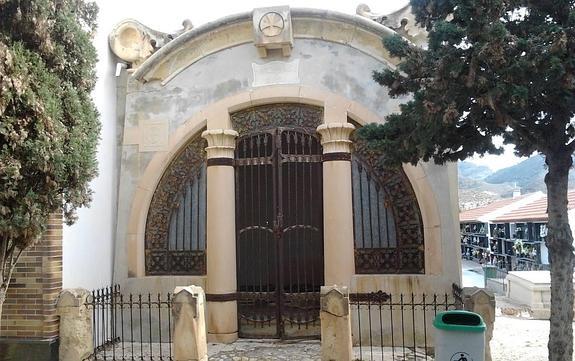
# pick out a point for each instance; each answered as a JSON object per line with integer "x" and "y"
{"x": 475, "y": 214}
{"x": 534, "y": 211}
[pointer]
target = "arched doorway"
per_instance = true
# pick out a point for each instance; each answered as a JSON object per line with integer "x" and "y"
{"x": 279, "y": 221}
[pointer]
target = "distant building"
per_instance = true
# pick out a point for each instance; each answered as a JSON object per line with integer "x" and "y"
{"x": 509, "y": 233}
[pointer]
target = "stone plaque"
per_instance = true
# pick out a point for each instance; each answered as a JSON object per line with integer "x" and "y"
{"x": 276, "y": 72}
{"x": 154, "y": 136}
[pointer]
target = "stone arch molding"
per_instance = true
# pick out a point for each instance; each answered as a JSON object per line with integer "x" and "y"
{"x": 193, "y": 44}
{"x": 336, "y": 108}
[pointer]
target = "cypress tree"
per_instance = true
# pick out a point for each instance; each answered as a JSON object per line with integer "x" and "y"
{"x": 48, "y": 122}
{"x": 492, "y": 68}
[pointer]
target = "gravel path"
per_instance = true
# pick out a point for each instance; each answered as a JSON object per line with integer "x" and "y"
{"x": 519, "y": 339}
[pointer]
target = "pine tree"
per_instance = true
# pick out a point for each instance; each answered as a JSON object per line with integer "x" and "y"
{"x": 492, "y": 68}
{"x": 48, "y": 123}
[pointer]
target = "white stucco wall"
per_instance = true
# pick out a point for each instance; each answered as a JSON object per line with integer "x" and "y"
{"x": 88, "y": 245}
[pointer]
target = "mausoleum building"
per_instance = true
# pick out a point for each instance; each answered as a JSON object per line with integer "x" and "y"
{"x": 240, "y": 171}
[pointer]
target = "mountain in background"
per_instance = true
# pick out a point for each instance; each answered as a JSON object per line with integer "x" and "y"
{"x": 479, "y": 185}
{"x": 473, "y": 171}
{"x": 528, "y": 175}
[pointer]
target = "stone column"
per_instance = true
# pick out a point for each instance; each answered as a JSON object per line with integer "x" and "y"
{"x": 189, "y": 336}
{"x": 336, "y": 343}
{"x": 221, "y": 236}
{"x": 479, "y": 301}
{"x": 76, "y": 341}
{"x": 337, "y": 203}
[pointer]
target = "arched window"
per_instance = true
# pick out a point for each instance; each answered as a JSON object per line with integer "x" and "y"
{"x": 388, "y": 230}
{"x": 374, "y": 224}
{"x": 176, "y": 224}
{"x": 188, "y": 219}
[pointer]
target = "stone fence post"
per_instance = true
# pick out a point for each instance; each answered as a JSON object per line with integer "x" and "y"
{"x": 336, "y": 343}
{"x": 76, "y": 341}
{"x": 189, "y": 335}
{"x": 482, "y": 302}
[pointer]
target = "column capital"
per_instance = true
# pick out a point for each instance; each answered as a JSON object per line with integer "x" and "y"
{"x": 221, "y": 142}
{"x": 335, "y": 137}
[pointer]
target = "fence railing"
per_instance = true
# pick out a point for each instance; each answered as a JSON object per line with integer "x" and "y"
{"x": 130, "y": 327}
{"x": 397, "y": 327}
{"x": 385, "y": 326}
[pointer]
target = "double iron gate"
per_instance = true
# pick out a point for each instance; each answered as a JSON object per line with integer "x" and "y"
{"x": 279, "y": 220}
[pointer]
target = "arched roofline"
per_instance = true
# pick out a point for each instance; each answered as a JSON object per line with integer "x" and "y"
{"x": 352, "y": 30}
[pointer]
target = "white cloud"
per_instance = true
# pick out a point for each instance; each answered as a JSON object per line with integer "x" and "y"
{"x": 496, "y": 162}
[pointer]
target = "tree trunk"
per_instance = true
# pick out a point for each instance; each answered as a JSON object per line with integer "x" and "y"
{"x": 3, "y": 291}
{"x": 559, "y": 241}
{"x": 7, "y": 264}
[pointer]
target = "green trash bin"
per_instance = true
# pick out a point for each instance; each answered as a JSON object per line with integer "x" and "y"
{"x": 489, "y": 271}
{"x": 459, "y": 336}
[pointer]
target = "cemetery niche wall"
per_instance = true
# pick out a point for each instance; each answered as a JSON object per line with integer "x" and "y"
{"x": 239, "y": 171}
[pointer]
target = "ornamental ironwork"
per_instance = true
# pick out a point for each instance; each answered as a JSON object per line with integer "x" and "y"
{"x": 279, "y": 230}
{"x": 276, "y": 115}
{"x": 177, "y": 204}
{"x": 387, "y": 219}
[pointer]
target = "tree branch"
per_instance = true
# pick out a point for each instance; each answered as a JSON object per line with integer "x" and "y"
{"x": 516, "y": 125}
{"x": 3, "y": 256}
{"x": 8, "y": 261}
{"x": 13, "y": 265}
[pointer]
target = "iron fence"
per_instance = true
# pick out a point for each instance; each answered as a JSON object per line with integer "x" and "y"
{"x": 386, "y": 326}
{"x": 397, "y": 327}
{"x": 130, "y": 327}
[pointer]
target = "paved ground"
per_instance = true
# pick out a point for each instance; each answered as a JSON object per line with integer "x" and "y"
{"x": 261, "y": 350}
{"x": 471, "y": 274}
{"x": 268, "y": 350}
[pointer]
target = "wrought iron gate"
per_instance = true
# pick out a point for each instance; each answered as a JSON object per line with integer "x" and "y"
{"x": 279, "y": 218}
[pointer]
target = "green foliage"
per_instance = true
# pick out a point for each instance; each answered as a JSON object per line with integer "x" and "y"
{"x": 48, "y": 123}
{"x": 492, "y": 67}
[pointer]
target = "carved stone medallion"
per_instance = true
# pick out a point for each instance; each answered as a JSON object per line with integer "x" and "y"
{"x": 272, "y": 24}
{"x": 273, "y": 30}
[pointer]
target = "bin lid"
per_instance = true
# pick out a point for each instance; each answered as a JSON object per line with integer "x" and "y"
{"x": 459, "y": 320}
